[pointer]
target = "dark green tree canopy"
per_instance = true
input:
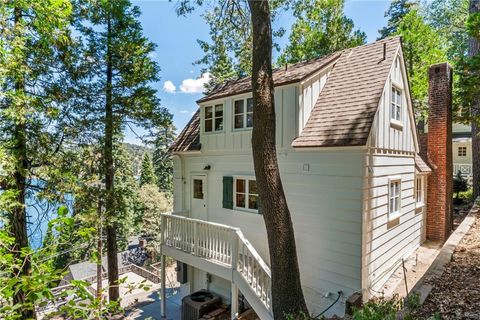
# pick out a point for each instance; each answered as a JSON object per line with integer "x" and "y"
{"x": 162, "y": 159}
{"x": 321, "y": 28}
{"x": 395, "y": 13}
{"x": 147, "y": 175}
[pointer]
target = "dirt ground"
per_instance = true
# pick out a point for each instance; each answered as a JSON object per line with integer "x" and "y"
{"x": 456, "y": 294}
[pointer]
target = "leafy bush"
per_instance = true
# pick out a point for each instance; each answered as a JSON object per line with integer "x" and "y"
{"x": 387, "y": 309}
{"x": 459, "y": 184}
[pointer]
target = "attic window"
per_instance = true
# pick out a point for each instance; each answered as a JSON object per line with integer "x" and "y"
{"x": 213, "y": 118}
{"x": 462, "y": 151}
{"x": 396, "y": 109}
{"x": 243, "y": 114}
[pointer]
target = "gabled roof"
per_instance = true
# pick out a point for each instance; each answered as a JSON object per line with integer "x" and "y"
{"x": 189, "y": 138}
{"x": 281, "y": 76}
{"x": 421, "y": 165}
{"x": 346, "y": 107}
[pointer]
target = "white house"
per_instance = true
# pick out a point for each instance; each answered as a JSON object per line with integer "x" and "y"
{"x": 349, "y": 160}
{"x": 462, "y": 150}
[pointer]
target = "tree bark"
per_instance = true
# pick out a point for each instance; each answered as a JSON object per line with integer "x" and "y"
{"x": 287, "y": 295}
{"x": 475, "y": 112}
{"x": 19, "y": 214}
{"x": 113, "y": 289}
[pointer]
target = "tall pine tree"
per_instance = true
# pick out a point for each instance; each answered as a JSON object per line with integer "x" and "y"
{"x": 147, "y": 174}
{"x": 320, "y": 28}
{"x": 395, "y": 13}
{"x": 116, "y": 91}
{"x": 33, "y": 42}
{"x": 162, "y": 159}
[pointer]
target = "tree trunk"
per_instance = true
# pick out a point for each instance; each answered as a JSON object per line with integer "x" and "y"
{"x": 113, "y": 290}
{"x": 287, "y": 295}
{"x": 19, "y": 214}
{"x": 475, "y": 113}
{"x": 100, "y": 254}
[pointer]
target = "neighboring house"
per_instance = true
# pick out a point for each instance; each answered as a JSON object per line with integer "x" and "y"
{"x": 88, "y": 269}
{"x": 349, "y": 160}
{"x": 462, "y": 150}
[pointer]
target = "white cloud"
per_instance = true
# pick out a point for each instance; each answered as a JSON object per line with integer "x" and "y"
{"x": 168, "y": 86}
{"x": 184, "y": 111}
{"x": 195, "y": 85}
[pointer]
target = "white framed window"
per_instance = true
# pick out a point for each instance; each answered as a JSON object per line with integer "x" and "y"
{"x": 462, "y": 151}
{"x": 419, "y": 196}
{"x": 245, "y": 194}
{"x": 394, "y": 198}
{"x": 213, "y": 121}
{"x": 396, "y": 104}
{"x": 243, "y": 113}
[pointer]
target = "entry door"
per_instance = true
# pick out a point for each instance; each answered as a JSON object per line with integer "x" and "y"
{"x": 199, "y": 198}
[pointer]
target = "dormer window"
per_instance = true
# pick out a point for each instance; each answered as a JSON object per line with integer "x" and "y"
{"x": 213, "y": 121}
{"x": 243, "y": 114}
{"x": 396, "y": 108}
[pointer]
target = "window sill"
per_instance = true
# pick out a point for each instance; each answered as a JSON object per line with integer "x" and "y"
{"x": 395, "y": 124}
{"x": 242, "y": 129}
{"x": 419, "y": 204}
{"x": 213, "y": 132}
{"x": 244, "y": 210}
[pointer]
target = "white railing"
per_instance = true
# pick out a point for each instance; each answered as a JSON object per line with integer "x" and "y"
{"x": 255, "y": 271}
{"x": 223, "y": 245}
{"x": 464, "y": 168}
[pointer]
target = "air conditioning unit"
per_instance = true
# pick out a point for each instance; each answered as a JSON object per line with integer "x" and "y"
{"x": 198, "y": 304}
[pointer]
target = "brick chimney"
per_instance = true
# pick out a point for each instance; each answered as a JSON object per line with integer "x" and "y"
{"x": 439, "y": 152}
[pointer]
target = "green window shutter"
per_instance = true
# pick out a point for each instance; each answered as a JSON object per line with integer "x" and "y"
{"x": 228, "y": 192}
{"x": 259, "y": 205}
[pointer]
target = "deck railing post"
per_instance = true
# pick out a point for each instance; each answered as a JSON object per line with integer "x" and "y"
{"x": 195, "y": 238}
{"x": 233, "y": 262}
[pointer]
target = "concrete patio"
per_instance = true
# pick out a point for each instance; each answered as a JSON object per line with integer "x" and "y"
{"x": 151, "y": 310}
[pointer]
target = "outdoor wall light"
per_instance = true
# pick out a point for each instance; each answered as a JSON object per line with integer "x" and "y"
{"x": 207, "y": 167}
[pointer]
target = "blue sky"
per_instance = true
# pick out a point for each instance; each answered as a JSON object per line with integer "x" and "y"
{"x": 177, "y": 49}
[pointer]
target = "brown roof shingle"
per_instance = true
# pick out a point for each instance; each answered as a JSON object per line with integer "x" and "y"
{"x": 421, "y": 165}
{"x": 293, "y": 73}
{"x": 346, "y": 107}
{"x": 189, "y": 138}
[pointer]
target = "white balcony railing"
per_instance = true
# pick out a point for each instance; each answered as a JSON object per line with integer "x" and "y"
{"x": 223, "y": 245}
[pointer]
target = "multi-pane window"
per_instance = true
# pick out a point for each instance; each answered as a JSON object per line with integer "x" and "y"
{"x": 246, "y": 194}
{"x": 394, "y": 203}
{"x": 462, "y": 151}
{"x": 243, "y": 114}
{"x": 214, "y": 118}
{"x": 419, "y": 190}
{"x": 396, "y": 108}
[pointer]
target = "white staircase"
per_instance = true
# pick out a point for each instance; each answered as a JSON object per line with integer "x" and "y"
{"x": 223, "y": 251}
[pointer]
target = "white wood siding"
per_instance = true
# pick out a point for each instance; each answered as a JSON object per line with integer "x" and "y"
{"x": 239, "y": 140}
{"x": 326, "y": 206}
{"x": 390, "y": 154}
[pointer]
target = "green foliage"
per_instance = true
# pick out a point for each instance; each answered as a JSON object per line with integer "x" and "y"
{"x": 228, "y": 53}
{"x": 162, "y": 159}
{"x": 147, "y": 176}
{"x": 448, "y": 18}
{"x": 396, "y": 12}
{"x": 388, "y": 309}
{"x": 320, "y": 28}
{"x": 152, "y": 203}
{"x": 469, "y": 70}
{"x": 459, "y": 184}
{"x": 422, "y": 46}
